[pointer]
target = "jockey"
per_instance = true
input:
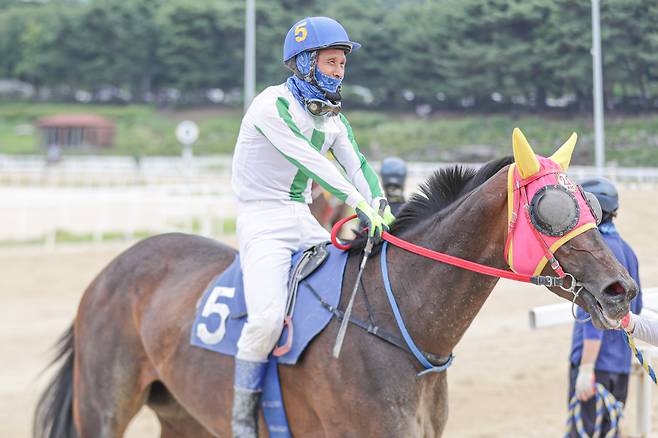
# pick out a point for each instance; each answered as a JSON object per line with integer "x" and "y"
{"x": 281, "y": 147}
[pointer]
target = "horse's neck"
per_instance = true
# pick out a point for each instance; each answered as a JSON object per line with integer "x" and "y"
{"x": 440, "y": 301}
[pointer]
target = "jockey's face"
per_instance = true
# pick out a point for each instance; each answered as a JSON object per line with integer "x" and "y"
{"x": 331, "y": 62}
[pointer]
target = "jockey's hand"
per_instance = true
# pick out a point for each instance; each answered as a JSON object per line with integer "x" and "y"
{"x": 585, "y": 382}
{"x": 371, "y": 219}
{"x": 628, "y": 323}
{"x": 381, "y": 205}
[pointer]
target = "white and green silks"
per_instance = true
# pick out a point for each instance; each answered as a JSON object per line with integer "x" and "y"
{"x": 281, "y": 147}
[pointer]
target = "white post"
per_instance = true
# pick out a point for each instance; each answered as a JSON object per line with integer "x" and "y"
{"x": 249, "y": 53}
{"x": 599, "y": 138}
{"x": 644, "y": 388}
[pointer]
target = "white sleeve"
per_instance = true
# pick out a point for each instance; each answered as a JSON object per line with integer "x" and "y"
{"x": 646, "y": 329}
{"x": 347, "y": 153}
{"x": 278, "y": 126}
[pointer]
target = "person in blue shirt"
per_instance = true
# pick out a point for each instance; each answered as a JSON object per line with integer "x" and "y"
{"x": 394, "y": 174}
{"x": 602, "y": 356}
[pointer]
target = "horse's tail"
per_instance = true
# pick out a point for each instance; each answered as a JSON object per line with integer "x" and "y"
{"x": 53, "y": 417}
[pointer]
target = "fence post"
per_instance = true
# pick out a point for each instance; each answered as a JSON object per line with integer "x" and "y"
{"x": 644, "y": 387}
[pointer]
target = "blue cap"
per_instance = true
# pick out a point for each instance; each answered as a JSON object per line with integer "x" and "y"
{"x": 313, "y": 33}
{"x": 604, "y": 190}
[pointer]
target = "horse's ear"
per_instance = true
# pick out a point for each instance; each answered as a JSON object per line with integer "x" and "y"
{"x": 524, "y": 156}
{"x": 563, "y": 155}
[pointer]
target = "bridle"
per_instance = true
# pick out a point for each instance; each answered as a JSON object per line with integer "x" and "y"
{"x": 574, "y": 287}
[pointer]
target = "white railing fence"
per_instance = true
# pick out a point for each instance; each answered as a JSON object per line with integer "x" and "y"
{"x": 46, "y": 214}
{"x": 122, "y": 170}
{"x": 103, "y": 196}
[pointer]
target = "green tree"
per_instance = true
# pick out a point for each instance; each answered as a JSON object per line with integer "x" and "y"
{"x": 43, "y": 59}
{"x": 12, "y": 22}
{"x": 115, "y": 43}
{"x": 630, "y": 48}
{"x": 202, "y": 44}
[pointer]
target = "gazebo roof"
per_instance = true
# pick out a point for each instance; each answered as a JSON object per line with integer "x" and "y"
{"x": 75, "y": 120}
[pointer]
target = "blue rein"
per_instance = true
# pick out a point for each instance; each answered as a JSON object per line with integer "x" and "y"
{"x": 429, "y": 368}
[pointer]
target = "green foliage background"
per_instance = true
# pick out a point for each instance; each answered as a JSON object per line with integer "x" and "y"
{"x": 465, "y": 51}
{"x": 483, "y": 66}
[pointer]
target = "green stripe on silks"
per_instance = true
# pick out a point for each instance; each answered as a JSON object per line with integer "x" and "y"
{"x": 297, "y": 187}
{"x": 368, "y": 173}
{"x": 282, "y": 106}
{"x": 300, "y": 181}
{"x": 317, "y": 139}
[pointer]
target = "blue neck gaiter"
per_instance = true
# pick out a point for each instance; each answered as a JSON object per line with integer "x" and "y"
{"x": 608, "y": 227}
{"x": 303, "y": 90}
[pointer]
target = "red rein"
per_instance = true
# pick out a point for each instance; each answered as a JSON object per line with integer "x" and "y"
{"x": 434, "y": 255}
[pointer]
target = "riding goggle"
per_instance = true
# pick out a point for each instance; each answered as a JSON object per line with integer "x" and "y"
{"x": 554, "y": 210}
{"x": 319, "y": 107}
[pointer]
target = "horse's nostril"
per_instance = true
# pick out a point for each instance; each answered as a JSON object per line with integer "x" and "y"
{"x": 615, "y": 289}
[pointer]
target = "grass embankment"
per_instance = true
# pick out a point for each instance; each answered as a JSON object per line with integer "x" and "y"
{"x": 143, "y": 130}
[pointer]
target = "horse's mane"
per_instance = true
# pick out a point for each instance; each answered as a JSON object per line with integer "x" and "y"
{"x": 439, "y": 191}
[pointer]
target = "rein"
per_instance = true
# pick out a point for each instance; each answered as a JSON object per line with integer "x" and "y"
{"x": 420, "y": 355}
{"x": 542, "y": 280}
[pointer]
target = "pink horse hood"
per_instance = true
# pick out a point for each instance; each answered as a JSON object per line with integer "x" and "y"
{"x": 524, "y": 252}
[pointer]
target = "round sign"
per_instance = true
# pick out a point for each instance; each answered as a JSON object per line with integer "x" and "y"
{"x": 187, "y": 132}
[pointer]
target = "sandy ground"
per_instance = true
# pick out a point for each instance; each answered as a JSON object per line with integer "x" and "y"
{"x": 507, "y": 380}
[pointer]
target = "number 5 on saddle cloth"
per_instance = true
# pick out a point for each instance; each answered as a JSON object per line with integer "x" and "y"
{"x": 314, "y": 284}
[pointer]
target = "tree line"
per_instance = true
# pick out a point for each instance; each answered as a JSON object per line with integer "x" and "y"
{"x": 429, "y": 55}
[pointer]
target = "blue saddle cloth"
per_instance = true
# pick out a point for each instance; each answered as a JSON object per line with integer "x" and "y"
{"x": 221, "y": 315}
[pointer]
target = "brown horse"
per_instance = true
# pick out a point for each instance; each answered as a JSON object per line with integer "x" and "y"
{"x": 129, "y": 344}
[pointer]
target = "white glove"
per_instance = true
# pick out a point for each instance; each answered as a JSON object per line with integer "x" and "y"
{"x": 585, "y": 382}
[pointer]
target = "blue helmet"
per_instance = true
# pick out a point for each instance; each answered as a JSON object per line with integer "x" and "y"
{"x": 313, "y": 33}
{"x": 604, "y": 190}
{"x": 393, "y": 171}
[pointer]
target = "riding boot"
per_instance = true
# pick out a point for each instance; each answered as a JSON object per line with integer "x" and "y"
{"x": 247, "y": 390}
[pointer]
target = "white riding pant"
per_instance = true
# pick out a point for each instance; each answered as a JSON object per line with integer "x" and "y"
{"x": 269, "y": 232}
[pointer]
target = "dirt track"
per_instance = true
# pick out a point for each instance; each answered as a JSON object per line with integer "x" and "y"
{"x": 506, "y": 381}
